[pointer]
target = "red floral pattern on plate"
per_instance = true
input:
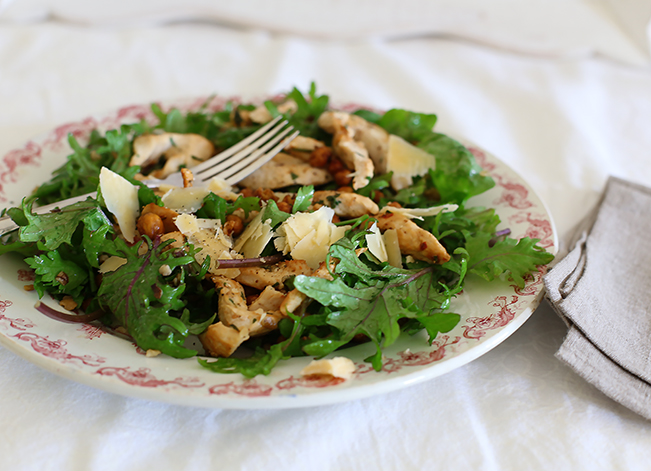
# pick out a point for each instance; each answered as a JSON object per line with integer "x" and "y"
{"x": 539, "y": 227}
{"x": 477, "y": 327}
{"x": 29, "y": 155}
{"x": 248, "y": 388}
{"x": 312, "y": 381}
{"x": 55, "y": 349}
{"x": 143, "y": 377}
{"x": 17, "y": 323}
{"x": 58, "y": 138}
{"x": 91, "y": 331}
{"x": 26, "y": 275}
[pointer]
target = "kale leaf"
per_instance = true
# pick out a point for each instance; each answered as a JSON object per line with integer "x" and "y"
{"x": 142, "y": 300}
{"x": 515, "y": 258}
{"x": 362, "y": 299}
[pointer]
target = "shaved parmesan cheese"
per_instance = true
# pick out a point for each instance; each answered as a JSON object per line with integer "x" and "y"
{"x": 419, "y": 213}
{"x": 376, "y": 245}
{"x": 222, "y": 188}
{"x": 406, "y": 161}
{"x": 338, "y": 367}
{"x": 111, "y": 264}
{"x": 121, "y": 198}
{"x": 255, "y": 238}
{"x": 394, "y": 256}
{"x": 212, "y": 241}
{"x": 187, "y": 224}
{"x": 308, "y": 236}
{"x": 185, "y": 200}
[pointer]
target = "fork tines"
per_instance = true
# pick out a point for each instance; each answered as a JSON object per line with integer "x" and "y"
{"x": 248, "y": 155}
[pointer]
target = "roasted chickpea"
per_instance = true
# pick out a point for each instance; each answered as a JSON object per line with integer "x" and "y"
{"x": 289, "y": 199}
{"x": 167, "y": 216}
{"x": 233, "y": 226}
{"x": 335, "y": 165}
{"x": 395, "y": 204}
{"x": 320, "y": 157}
{"x": 283, "y": 206}
{"x": 345, "y": 189}
{"x": 151, "y": 225}
{"x": 265, "y": 194}
{"x": 342, "y": 177}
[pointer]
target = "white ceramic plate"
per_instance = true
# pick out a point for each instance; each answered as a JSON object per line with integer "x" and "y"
{"x": 90, "y": 355}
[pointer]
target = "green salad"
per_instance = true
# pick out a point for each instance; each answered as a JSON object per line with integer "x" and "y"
{"x": 357, "y": 232}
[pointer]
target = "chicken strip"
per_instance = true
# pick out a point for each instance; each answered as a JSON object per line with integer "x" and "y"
{"x": 295, "y": 298}
{"x": 374, "y": 138}
{"x": 285, "y": 170}
{"x": 274, "y": 275}
{"x": 346, "y": 205}
{"x": 179, "y": 149}
{"x": 237, "y": 321}
{"x": 302, "y": 147}
{"x": 220, "y": 340}
{"x": 412, "y": 239}
{"x": 354, "y": 155}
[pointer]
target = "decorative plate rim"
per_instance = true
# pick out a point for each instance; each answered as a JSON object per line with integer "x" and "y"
{"x": 82, "y": 355}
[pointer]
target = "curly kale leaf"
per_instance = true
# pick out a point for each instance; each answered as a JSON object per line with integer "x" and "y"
{"x": 80, "y": 174}
{"x": 362, "y": 299}
{"x": 58, "y": 275}
{"x": 142, "y": 300}
{"x": 512, "y": 258}
{"x": 56, "y": 228}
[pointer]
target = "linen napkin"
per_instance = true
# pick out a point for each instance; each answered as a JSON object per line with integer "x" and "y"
{"x": 602, "y": 290}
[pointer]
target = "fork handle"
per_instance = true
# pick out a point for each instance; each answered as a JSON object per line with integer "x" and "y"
{"x": 7, "y": 225}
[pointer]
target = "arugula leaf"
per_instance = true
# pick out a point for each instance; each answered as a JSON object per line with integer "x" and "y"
{"x": 511, "y": 257}
{"x": 260, "y": 363}
{"x": 57, "y": 228}
{"x": 439, "y": 322}
{"x": 141, "y": 300}
{"x": 216, "y": 207}
{"x": 411, "y": 126}
{"x": 303, "y": 199}
{"x": 304, "y": 119}
{"x": 80, "y": 173}
{"x": 368, "y": 115}
{"x": 273, "y": 214}
{"x": 378, "y": 182}
{"x": 457, "y": 176}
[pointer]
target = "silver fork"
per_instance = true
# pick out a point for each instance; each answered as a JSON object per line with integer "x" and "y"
{"x": 233, "y": 165}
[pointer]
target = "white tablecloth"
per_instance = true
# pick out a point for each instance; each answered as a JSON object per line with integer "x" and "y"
{"x": 563, "y": 124}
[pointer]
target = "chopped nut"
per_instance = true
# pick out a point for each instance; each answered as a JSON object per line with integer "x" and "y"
{"x": 320, "y": 157}
{"x": 187, "y": 176}
{"x": 343, "y": 177}
{"x": 61, "y": 278}
{"x": 28, "y": 287}
{"x": 152, "y": 353}
{"x": 68, "y": 303}
{"x": 234, "y": 225}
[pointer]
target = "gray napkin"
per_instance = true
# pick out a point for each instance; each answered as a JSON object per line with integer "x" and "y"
{"x": 602, "y": 290}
